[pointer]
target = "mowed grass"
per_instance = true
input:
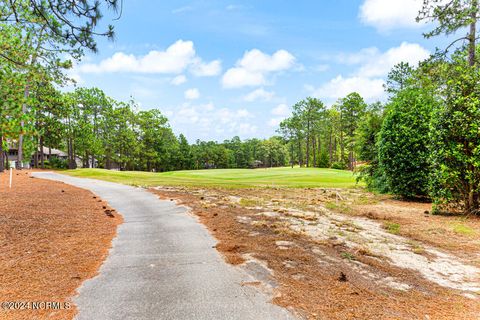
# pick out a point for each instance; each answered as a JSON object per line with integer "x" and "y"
{"x": 228, "y": 178}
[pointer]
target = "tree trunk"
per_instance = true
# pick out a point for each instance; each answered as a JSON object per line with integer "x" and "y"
{"x": 42, "y": 155}
{"x": 472, "y": 35}
{"x": 291, "y": 154}
{"x": 330, "y": 150}
{"x": 71, "y": 155}
{"x": 314, "y": 150}
{"x": 342, "y": 148}
{"x": 300, "y": 160}
{"x": 2, "y": 160}
{"x": 22, "y": 124}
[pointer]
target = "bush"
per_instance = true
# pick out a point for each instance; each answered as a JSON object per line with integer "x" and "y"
{"x": 455, "y": 137}
{"x": 56, "y": 163}
{"x": 403, "y": 145}
{"x": 373, "y": 177}
{"x": 339, "y": 165}
{"x": 324, "y": 160}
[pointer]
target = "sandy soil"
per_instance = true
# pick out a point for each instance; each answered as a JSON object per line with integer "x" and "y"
{"x": 52, "y": 237}
{"x": 345, "y": 254}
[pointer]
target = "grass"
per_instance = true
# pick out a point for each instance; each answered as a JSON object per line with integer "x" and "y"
{"x": 229, "y": 178}
{"x": 462, "y": 229}
{"x": 391, "y": 227}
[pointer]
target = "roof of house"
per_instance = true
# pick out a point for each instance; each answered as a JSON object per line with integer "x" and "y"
{"x": 55, "y": 152}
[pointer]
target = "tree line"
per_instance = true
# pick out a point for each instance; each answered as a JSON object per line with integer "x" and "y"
{"x": 424, "y": 141}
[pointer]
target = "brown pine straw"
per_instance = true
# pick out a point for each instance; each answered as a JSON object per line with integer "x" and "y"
{"x": 52, "y": 238}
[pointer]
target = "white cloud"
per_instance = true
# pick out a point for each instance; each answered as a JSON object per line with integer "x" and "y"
{"x": 178, "y": 80}
{"x": 177, "y": 58}
{"x": 281, "y": 112}
{"x": 205, "y": 119}
{"x": 259, "y": 94}
{"x": 256, "y": 60}
{"x": 192, "y": 94}
{"x": 386, "y": 15}
{"x": 274, "y": 122}
{"x": 380, "y": 64}
{"x": 239, "y": 77}
{"x": 210, "y": 69}
{"x": 339, "y": 87}
{"x": 373, "y": 67}
{"x": 375, "y": 63}
{"x": 254, "y": 66}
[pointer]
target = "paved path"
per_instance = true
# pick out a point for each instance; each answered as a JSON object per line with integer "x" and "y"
{"x": 162, "y": 266}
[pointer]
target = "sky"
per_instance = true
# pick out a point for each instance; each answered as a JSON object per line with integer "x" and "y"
{"x": 219, "y": 69}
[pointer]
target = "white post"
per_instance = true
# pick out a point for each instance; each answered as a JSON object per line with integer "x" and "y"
{"x": 11, "y": 174}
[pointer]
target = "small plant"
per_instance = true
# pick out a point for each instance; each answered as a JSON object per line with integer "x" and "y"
{"x": 339, "y": 165}
{"x": 248, "y": 202}
{"x": 392, "y": 227}
{"x": 462, "y": 229}
{"x": 417, "y": 248}
{"x": 348, "y": 256}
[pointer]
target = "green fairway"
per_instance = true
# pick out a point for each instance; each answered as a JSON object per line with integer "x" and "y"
{"x": 229, "y": 178}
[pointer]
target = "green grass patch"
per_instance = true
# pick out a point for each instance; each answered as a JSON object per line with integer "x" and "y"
{"x": 462, "y": 229}
{"x": 249, "y": 202}
{"x": 338, "y": 207}
{"x": 392, "y": 227}
{"x": 347, "y": 256}
{"x": 228, "y": 178}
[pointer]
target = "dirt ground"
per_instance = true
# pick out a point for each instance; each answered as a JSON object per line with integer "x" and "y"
{"x": 345, "y": 254}
{"x": 52, "y": 238}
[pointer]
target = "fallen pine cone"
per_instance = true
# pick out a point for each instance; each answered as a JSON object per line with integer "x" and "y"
{"x": 343, "y": 277}
{"x": 109, "y": 213}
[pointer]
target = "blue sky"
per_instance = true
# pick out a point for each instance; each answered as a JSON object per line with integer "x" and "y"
{"x": 219, "y": 68}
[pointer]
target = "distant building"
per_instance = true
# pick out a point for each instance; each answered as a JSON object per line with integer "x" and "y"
{"x": 48, "y": 154}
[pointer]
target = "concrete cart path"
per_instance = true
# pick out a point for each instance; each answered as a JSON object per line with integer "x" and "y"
{"x": 163, "y": 265}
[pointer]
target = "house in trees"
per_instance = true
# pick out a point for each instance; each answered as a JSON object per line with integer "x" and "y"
{"x": 48, "y": 154}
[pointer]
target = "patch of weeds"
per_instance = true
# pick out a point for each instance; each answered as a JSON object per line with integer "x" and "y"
{"x": 365, "y": 200}
{"x": 341, "y": 233}
{"x": 348, "y": 256}
{"x": 249, "y": 202}
{"x": 392, "y": 227}
{"x": 417, "y": 248}
{"x": 340, "y": 207}
{"x": 462, "y": 229}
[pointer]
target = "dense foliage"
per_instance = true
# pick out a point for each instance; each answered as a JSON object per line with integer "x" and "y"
{"x": 403, "y": 152}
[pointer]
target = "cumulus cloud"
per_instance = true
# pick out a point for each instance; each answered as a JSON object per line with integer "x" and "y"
{"x": 281, "y": 112}
{"x": 380, "y": 64}
{"x": 205, "y": 119}
{"x": 210, "y": 69}
{"x": 369, "y": 89}
{"x": 177, "y": 58}
{"x": 373, "y": 67}
{"x": 386, "y": 15}
{"x": 254, "y": 67}
{"x": 192, "y": 94}
{"x": 178, "y": 80}
{"x": 259, "y": 94}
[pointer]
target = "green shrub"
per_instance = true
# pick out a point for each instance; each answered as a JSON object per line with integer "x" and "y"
{"x": 324, "y": 160}
{"x": 339, "y": 165}
{"x": 403, "y": 145}
{"x": 57, "y": 163}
